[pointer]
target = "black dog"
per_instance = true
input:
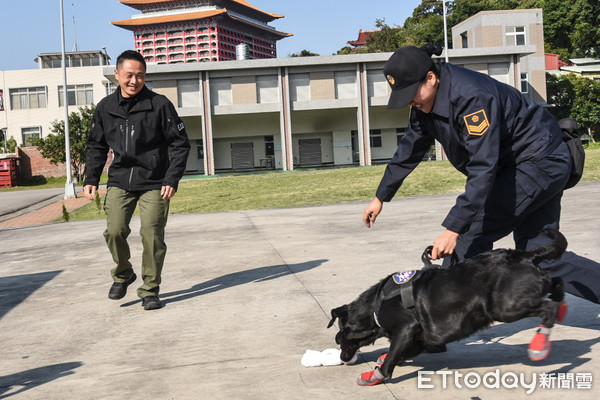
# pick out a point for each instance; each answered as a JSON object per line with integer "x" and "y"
{"x": 449, "y": 304}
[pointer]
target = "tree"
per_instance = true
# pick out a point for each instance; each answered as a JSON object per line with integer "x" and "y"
{"x": 573, "y": 96}
{"x": 53, "y": 146}
{"x": 571, "y": 28}
{"x": 560, "y": 93}
{"x": 304, "y": 53}
{"x": 8, "y": 146}
{"x": 385, "y": 39}
{"x": 426, "y": 25}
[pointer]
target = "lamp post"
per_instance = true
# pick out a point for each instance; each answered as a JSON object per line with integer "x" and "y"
{"x": 445, "y": 31}
{"x": 69, "y": 187}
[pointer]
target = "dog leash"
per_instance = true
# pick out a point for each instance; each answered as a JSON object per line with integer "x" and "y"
{"x": 427, "y": 261}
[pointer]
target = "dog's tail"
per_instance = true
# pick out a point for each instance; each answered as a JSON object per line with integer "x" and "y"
{"x": 552, "y": 250}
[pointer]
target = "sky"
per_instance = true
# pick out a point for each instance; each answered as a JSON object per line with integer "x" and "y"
{"x": 33, "y": 27}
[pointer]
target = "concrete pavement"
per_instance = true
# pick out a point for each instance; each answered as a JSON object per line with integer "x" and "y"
{"x": 19, "y": 202}
{"x": 246, "y": 293}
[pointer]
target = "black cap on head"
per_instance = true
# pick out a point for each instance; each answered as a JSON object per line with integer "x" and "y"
{"x": 404, "y": 71}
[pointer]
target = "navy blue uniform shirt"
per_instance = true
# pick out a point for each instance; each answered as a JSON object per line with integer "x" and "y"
{"x": 484, "y": 126}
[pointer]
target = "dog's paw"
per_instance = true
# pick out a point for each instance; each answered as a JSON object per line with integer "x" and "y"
{"x": 562, "y": 311}
{"x": 540, "y": 346}
{"x": 371, "y": 378}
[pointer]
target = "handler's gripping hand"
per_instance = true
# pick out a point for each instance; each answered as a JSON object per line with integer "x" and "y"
{"x": 372, "y": 211}
{"x": 89, "y": 191}
{"x": 444, "y": 245}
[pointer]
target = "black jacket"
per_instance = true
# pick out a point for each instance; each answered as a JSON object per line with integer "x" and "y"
{"x": 484, "y": 126}
{"x": 149, "y": 143}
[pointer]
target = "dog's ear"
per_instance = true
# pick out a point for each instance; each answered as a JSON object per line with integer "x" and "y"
{"x": 337, "y": 313}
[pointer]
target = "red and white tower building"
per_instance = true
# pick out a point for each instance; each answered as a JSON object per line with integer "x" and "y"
{"x": 184, "y": 31}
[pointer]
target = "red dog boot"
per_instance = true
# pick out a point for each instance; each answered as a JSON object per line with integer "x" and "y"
{"x": 381, "y": 359}
{"x": 370, "y": 378}
{"x": 539, "y": 348}
{"x": 562, "y": 312}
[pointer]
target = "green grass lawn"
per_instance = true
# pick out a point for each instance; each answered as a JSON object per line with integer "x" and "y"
{"x": 277, "y": 189}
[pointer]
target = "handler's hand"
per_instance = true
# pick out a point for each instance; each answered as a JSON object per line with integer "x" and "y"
{"x": 167, "y": 192}
{"x": 372, "y": 211}
{"x": 444, "y": 245}
{"x": 89, "y": 191}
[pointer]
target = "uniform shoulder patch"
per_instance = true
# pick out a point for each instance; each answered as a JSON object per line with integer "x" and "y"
{"x": 477, "y": 123}
{"x": 403, "y": 277}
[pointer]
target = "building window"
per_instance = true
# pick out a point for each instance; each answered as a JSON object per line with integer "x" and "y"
{"x": 25, "y": 98}
{"x": 269, "y": 146}
{"x": 524, "y": 83}
{"x": 77, "y": 95}
{"x": 464, "y": 40}
{"x": 28, "y": 134}
{"x": 110, "y": 87}
{"x": 375, "y": 137}
{"x": 515, "y": 35}
{"x": 400, "y": 132}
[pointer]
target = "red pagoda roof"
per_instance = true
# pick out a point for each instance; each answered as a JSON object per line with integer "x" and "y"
{"x": 133, "y": 23}
{"x": 140, "y": 3}
{"x": 362, "y": 38}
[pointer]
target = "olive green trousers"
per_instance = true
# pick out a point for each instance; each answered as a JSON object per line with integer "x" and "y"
{"x": 119, "y": 206}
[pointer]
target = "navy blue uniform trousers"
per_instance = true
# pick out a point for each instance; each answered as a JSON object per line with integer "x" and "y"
{"x": 526, "y": 199}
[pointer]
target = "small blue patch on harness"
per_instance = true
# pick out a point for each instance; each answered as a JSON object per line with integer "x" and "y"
{"x": 402, "y": 277}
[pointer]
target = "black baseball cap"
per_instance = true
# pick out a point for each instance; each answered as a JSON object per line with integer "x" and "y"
{"x": 404, "y": 71}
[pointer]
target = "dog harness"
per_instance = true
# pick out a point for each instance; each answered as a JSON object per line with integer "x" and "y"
{"x": 401, "y": 284}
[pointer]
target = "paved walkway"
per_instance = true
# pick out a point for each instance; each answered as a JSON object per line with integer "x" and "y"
{"x": 52, "y": 212}
{"x": 246, "y": 293}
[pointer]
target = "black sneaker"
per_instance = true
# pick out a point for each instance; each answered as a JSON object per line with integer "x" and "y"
{"x": 119, "y": 290}
{"x": 151, "y": 303}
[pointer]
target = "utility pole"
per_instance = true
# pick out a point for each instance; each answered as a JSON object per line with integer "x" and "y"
{"x": 445, "y": 31}
{"x": 69, "y": 187}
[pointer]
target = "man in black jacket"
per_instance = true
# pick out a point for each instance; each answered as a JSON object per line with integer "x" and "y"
{"x": 150, "y": 149}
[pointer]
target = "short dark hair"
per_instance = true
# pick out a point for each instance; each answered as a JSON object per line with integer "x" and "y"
{"x": 130, "y": 55}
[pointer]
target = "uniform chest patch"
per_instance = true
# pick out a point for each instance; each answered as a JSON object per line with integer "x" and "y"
{"x": 403, "y": 277}
{"x": 477, "y": 123}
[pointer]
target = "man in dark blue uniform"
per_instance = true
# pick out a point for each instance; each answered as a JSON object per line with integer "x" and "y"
{"x": 510, "y": 148}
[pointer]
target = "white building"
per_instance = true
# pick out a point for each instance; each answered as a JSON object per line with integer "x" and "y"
{"x": 30, "y": 100}
{"x": 285, "y": 113}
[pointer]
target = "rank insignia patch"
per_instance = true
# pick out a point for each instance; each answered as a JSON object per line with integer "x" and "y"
{"x": 477, "y": 123}
{"x": 402, "y": 277}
